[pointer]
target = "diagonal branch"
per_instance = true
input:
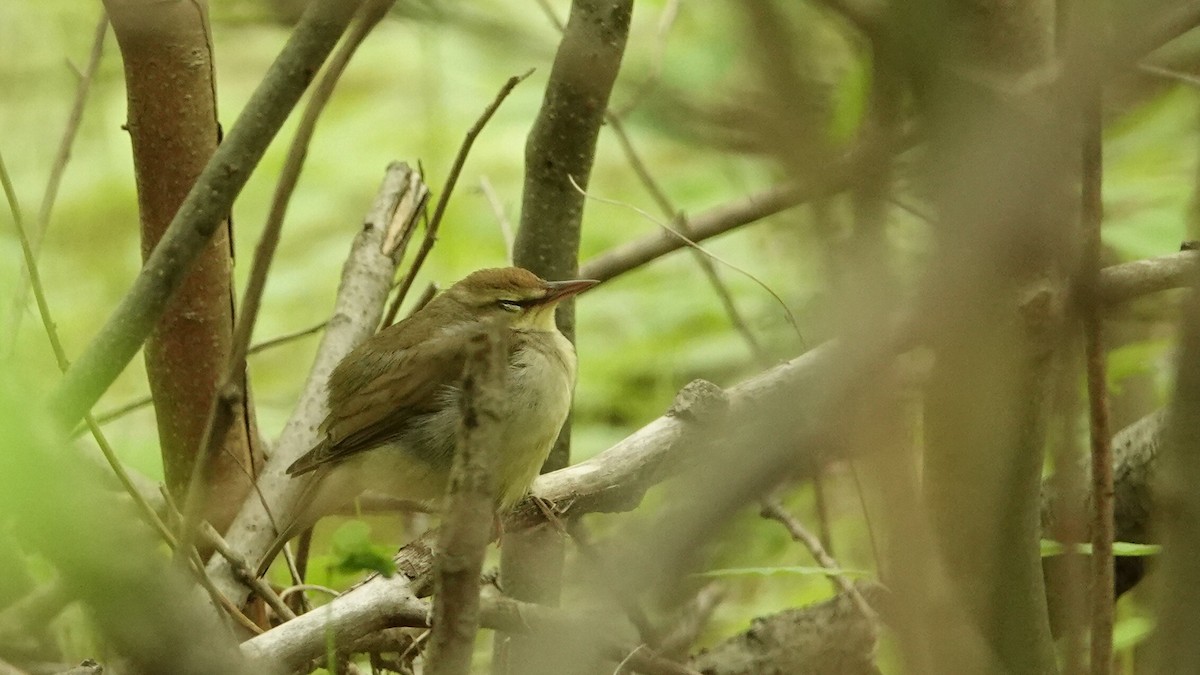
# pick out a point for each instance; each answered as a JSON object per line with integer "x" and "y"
{"x": 366, "y": 279}
{"x": 203, "y": 209}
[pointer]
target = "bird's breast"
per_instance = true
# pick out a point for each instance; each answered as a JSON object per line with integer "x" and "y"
{"x": 541, "y": 379}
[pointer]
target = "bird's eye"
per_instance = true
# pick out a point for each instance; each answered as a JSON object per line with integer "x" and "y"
{"x": 509, "y": 305}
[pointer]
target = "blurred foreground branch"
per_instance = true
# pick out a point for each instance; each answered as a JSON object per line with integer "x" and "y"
{"x": 470, "y": 506}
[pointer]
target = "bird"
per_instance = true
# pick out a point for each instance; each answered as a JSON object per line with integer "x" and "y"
{"x": 394, "y": 400}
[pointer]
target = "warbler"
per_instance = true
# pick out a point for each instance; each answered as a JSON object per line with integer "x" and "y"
{"x": 394, "y": 400}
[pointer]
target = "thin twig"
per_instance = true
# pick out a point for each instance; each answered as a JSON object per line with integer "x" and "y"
{"x": 143, "y": 401}
{"x": 666, "y": 19}
{"x": 460, "y": 159}
{"x": 711, "y": 223}
{"x": 506, "y": 228}
{"x": 680, "y": 219}
{"x": 424, "y": 298}
{"x": 287, "y": 338}
{"x": 1170, "y": 73}
{"x": 61, "y": 158}
{"x": 230, "y": 390}
{"x": 791, "y": 318}
{"x": 772, "y": 510}
{"x": 283, "y": 595}
{"x": 1091, "y": 214}
{"x": 243, "y": 571}
{"x": 551, "y": 15}
{"x": 645, "y": 661}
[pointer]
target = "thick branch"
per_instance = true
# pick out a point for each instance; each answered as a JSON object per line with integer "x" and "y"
{"x": 559, "y": 154}
{"x": 366, "y": 279}
{"x": 172, "y": 123}
{"x": 202, "y": 211}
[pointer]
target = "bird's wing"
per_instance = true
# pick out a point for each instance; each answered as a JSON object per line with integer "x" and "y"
{"x": 380, "y": 395}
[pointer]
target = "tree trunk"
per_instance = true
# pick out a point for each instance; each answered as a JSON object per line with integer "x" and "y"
{"x": 996, "y": 170}
{"x": 172, "y": 122}
{"x": 560, "y": 149}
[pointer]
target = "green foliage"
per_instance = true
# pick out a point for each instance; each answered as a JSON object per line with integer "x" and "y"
{"x": 1131, "y": 632}
{"x": 1120, "y": 548}
{"x": 801, "y": 570}
{"x": 353, "y": 551}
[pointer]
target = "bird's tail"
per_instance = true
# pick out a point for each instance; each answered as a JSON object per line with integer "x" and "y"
{"x": 290, "y": 525}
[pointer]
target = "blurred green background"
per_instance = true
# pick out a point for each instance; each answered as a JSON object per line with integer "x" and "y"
{"x": 416, "y": 85}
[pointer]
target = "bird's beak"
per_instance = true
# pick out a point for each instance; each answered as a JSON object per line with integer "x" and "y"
{"x": 561, "y": 290}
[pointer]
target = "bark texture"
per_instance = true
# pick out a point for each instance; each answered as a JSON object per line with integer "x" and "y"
{"x": 172, "y": 123}
{"x": 828, "y": 638}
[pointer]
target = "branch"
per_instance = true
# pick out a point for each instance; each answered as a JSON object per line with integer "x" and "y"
{"x": 1096, "y": 360}
{"x": 470, "y": 507}
{"x": 559, "y": 153}
{"x": 830, "y": 637}
{"x": 773, "y": 510}
{"x": 231, "y": 388}
{"x": 366, "y": 279}
{"x": 202, "y": 211}
{"x": 1128, "y": 281}
{"x": 716, "y": 221}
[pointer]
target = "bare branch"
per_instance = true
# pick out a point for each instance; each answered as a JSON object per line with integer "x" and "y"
{"x": 444, "y": 198}
{"x": 61, "y": 158}
{"x": 719, "y": 220}
{"x": 773, "y": 510}
{"x": 470, "y": 507}
{"x": 366, "y": 279}
{"x": 1091, "y": 216}
{"x": 1128, "y": 281}
{"x": 231, "y": 387}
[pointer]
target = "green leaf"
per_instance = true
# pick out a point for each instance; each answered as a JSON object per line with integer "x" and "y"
{"x": 772, "y": 571}
{"x": 1131, "y": 632}
{"x": 354, "y": 552}
{"x": 1120, "y": 548}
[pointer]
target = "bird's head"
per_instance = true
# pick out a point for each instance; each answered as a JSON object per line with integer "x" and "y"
{"x": 514, "y": 296}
